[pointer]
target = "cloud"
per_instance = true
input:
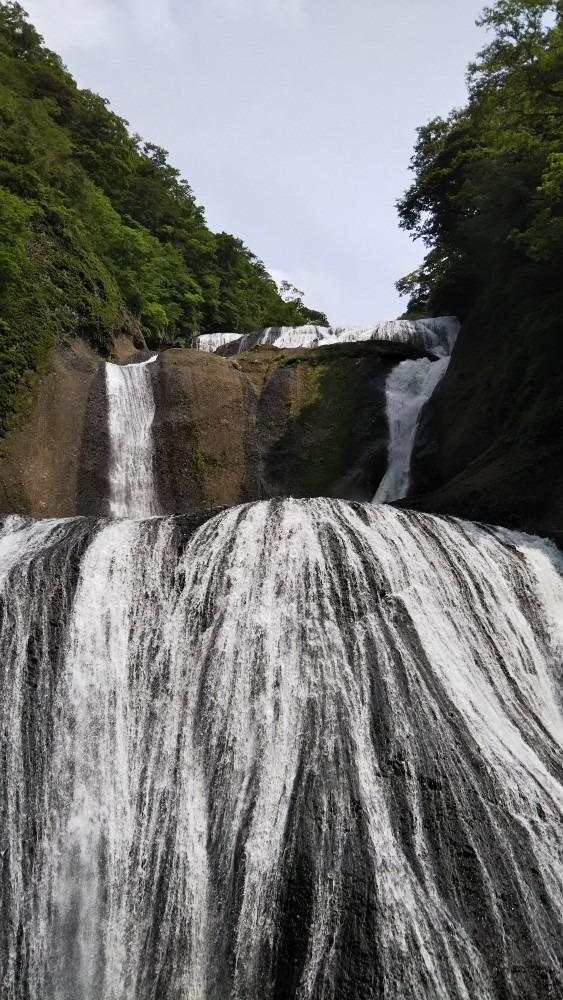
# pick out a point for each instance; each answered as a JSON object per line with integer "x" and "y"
{"x": 58, "y": 21}
{"x": 101, "y": 24}
{"x": 285, "y": 10}
{"x": 151, "y": 19}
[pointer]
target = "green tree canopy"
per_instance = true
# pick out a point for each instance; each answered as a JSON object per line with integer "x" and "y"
{"x": 487, "y": 193}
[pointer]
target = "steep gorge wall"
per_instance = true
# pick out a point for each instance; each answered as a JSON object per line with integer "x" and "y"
{"x": 490, "y": 442}
{"x": 303, "y": 422}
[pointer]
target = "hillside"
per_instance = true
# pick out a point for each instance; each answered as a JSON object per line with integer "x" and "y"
{"x": 100, "y": 234}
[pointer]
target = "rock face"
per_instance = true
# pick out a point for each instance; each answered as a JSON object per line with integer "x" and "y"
{"x": 56, "y": 465}
{"x": 490, "y": 443}
{"x": 41, "y": 465}
{"x": 310, "y": 422}
{"x": 269, "y": 423}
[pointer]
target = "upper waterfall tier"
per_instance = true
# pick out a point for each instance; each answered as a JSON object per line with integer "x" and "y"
{"x": 131, "y": 411}
{"x": 311, "y": 750}
{"x": 434, "y": 335}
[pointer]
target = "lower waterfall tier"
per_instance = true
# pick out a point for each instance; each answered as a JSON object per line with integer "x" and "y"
{"x": 308, "y": 750}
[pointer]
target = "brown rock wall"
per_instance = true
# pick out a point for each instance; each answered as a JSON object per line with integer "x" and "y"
{"x": 226, "y": 431}
{"x": 40, "y": 464}
{"x": 271, "y": 423}
{"x": 203, "y": 431}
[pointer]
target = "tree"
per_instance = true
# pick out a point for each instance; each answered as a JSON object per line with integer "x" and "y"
{"x": 14, "y": 219}
{"x": 486, "y": 194}
{"x": 18, "y": 35}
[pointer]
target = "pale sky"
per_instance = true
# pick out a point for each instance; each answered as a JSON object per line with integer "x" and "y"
{"x": 292, "y": 120}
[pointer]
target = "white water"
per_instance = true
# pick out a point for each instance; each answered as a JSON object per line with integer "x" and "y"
{"x": 408, "y": 388}
{"x": 436, "y": 335}
{"x": 313, "y": 750}
{"x": 358, "y": 702}
{"x": 130, "y": 417}
{"x": 211, "y": 342}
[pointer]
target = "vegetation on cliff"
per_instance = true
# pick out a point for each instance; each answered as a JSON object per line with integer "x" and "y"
{"x": 487, "y": 199}
{"x": 99, "y": 233}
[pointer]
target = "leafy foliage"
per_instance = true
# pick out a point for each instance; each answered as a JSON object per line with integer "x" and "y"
{"x": 99, "y": 233}
{"x": 487, "y": 199}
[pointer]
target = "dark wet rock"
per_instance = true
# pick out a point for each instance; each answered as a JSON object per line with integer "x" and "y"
{"x": 490, "y": 442}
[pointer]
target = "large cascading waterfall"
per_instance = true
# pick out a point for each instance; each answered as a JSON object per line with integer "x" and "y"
{"x": 313, "y": 750}
{"x": 131, "y": 411}
{"x": 408, "y": 388}
{"x": 436, "y": 335}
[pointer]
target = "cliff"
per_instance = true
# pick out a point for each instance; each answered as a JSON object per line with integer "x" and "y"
{"x": 486, "y": 201}
{"x": 267, "y": 423}
{"x": 272, "y": 423}
{"x": 490, "y": 442}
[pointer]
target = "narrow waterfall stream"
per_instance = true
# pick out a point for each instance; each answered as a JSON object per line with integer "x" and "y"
{"x": 130, "y": 417}
{"x": 409, "y": 387}
{"x": 314, "y": 749}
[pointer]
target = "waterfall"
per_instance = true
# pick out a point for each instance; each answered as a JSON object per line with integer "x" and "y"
{"x": 436, "y": 335}
{"x": 211, "y": 342}
{"x": 311, "y": 750}
{"x": 130, "y": 416}
{"x": 409, "y": 386}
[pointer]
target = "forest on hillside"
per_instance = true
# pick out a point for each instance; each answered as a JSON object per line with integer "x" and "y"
{"x": 487, "y": 196}
{"x": 100, "y": 234}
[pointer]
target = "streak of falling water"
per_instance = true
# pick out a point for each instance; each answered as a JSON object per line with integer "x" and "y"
{"x": 408, "y": 388}
{"x": 313, "y": 750}
{"x": 118, "y": 769}
{"x": 131, "y": 411}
